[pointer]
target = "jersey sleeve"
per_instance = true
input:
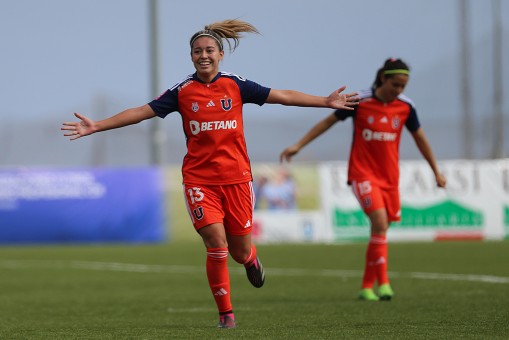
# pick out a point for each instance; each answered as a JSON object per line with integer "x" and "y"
{"x": 165, "y": 103}
{"x": 252, "y": 92}
{"x": 412, "y": 123}
{"x": 342, "y": 114}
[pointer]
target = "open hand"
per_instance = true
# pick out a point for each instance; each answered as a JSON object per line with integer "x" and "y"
{"x": 79, "y": 129}
{"x": 338, "y": 100}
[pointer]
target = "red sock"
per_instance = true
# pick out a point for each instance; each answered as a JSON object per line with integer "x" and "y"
{"x": 218, "y": 276}
{"x": 383, "y": 259}
{"x": 376, "y": 262}
{"x": 251, "y": 257}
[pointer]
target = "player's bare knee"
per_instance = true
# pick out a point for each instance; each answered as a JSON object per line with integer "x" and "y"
{"x": 379, "y": 229}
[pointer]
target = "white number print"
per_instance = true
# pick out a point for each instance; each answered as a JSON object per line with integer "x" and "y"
{"x": 364, "y": 187}
{"x": 195, "y": 194}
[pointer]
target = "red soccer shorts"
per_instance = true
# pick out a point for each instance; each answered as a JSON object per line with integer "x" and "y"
{"x": 232, "y": 205}
{"x": 372, "y": 197}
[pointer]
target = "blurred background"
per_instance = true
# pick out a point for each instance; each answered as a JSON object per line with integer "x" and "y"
{"x": 90, "y": 212}
{"x": 100, "y": 57}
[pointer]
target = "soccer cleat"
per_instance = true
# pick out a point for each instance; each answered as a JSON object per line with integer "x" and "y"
{"x": 368, "y": 294}
{"x": 255, "y": 273}
{"x": 385, "y": 292}
{"x": 226, "y": 321}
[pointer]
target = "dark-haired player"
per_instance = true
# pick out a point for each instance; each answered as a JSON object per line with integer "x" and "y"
{"x": 373, "y": 170}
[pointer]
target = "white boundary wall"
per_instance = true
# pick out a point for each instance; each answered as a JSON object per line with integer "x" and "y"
{"x": 475, "y": 205}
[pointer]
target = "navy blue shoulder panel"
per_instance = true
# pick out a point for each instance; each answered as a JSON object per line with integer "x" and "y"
{"x": 250, "y": 91}
{"x": 167, "y": 102}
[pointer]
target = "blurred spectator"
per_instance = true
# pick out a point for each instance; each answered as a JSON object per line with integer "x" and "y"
{"x": 258, "y": 185}
{"x": 280, "y": 192}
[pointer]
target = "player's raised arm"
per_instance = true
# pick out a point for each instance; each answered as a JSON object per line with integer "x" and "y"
{"x": 86, "y": 126}
{"x": 336, "y": 100}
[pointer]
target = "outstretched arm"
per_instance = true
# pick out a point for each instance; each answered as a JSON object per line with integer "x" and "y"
{"x": 336, "y": 100}
{"x": 315, "y": 131}
{"x": 422, "y": 143}
{"x": 87, "y": 126}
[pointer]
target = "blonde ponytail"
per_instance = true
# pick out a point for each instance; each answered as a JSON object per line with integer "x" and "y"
{"x": 225, "y": 30}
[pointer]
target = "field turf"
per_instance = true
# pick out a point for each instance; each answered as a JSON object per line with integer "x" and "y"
{"x": 447, "y": 290}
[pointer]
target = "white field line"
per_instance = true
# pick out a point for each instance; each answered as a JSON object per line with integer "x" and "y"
{"x": 295, "y": 272}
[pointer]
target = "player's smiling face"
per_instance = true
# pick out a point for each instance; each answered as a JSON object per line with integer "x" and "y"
{"x": 206, "y": 56}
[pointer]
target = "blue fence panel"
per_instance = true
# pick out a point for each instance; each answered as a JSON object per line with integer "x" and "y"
{"x": 81, "y": 205}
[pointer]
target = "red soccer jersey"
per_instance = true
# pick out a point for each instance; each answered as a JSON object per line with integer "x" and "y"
{"x": 377, "y": 126}
{"x": 213, "y": 125}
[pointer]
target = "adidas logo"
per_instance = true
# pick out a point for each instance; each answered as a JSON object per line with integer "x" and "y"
{"x": 248, "y": 224}
{"x": 211, "y": 104}
{"x": 378, "y": 262}
{"x": 384, "y": 120}
{"x": 221, "y": 292}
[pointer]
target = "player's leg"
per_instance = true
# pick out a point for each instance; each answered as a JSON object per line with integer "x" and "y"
{"x": 214, "y": 238}
{"x": 371, "y": 200}
{"x": 239, "y": 207}
{"x": 375, "y": 260}
{"x": 377, "y": 254}
{"x": 205, "y": 209}
{"x": 244, "y": 251}
{"x": 393, "y": 211}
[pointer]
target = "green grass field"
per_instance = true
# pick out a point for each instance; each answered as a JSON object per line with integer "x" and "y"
{"x": 443, "y": 291}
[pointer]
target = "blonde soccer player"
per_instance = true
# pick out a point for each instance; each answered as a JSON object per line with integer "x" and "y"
{"x": 217, "y": 179}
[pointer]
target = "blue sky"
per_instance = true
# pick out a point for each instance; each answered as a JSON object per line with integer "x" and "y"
{"x": 61, "y": 56}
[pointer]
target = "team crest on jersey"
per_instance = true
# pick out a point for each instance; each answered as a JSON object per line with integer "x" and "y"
{"x": 198, "y": 213}
{"x": 195, "y": 107}
{"x": 396, "y": 122}
{"x": 226, "y": 104}
{"x": 366, "y": 202}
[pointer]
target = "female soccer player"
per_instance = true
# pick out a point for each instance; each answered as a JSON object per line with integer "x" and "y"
{"x": 373, "y": 170}
{"x": 217, "y": 178}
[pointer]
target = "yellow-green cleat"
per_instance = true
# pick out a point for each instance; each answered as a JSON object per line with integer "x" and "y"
{"x": 385, "y": 292}
{"x": 367, "y": 294}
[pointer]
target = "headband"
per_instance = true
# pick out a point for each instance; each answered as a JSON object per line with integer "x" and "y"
{"x": 207, "y": 34}
{"x": 397, "y": 71}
